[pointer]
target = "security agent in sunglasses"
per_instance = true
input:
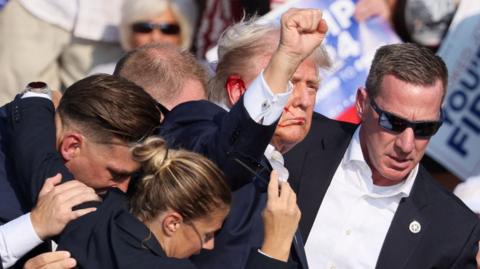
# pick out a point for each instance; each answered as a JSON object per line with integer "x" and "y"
{"x": 366, "y": 201}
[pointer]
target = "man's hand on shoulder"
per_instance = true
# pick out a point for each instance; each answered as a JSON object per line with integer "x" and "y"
{"x": 55, "y": 202}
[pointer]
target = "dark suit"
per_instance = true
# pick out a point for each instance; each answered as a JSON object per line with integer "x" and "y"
{"x": 30, "y": 146}
{"x": 450, "y": 231}
{"x": 203, "y": 127}
{"x": 111, "y": 237}
{"x": 108, "y": 238}
{"x": 10, "y": 206}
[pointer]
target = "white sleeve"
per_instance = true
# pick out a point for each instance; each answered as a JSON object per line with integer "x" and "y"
{"x": 36, "y": 94}
{"x": 261, "y": 104}
{"x": 17, "y": 237}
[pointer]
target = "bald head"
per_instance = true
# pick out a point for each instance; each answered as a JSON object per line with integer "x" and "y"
{"x": 169, "y": 75}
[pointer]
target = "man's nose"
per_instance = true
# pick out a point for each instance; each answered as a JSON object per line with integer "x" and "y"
{"x": 209, "y": 244}
{"x": 301, "y": 96}
{"x": 405, "y": 140}
{"x": 123, "y": 186}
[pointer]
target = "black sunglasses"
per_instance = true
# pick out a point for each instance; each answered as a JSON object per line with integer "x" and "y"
{"x": 148, "y": 27}
{"x": 391, "y": 122}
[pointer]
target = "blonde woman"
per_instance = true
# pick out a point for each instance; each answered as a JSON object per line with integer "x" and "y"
{"x": 178, "y": 204}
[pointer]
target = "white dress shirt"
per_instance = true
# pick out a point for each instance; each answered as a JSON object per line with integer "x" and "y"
{"x": 17, "y": 237}
{"x": 265, "y": 107}
{"x": 261, "y": 104}
{"x": 355, "y": 215}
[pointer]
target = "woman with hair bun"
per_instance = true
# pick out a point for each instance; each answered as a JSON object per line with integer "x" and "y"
{"x": 178, "y": 204}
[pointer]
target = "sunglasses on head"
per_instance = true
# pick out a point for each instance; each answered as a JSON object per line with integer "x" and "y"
{"x": 391, "y": 122}
{"x": 148, "y": 27}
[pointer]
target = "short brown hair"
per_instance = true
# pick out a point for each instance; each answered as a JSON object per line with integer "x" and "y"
{"x": 183, "y": 181}
{"x": 408, "y": 62}
{"x": 161, "y": 69}
{"x": 104, "y": 107}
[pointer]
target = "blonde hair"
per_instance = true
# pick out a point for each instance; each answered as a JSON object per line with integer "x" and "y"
{"x": 186, "y": 12}
{"x": 183, "y": 181}
{"x": 239, "y": 47}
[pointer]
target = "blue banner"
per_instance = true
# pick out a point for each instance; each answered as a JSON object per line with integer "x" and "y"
{"x": 351, "y": 46}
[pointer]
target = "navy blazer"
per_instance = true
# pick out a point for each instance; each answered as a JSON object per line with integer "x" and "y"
{"x": 10, "y": 206}
{"x": 98, "y": 240}
{"x": 32, "y": 146}
{"x": 111, "y": 237}
{"x": 223, "y": 137}
{"x": 450, "y": 231}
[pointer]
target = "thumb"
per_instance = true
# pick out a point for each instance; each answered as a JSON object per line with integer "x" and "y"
{"x": 50, "y": 184}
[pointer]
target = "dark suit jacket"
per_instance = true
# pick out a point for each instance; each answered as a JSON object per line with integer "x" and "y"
{"x": 203, "y": 127}
{"x": 30, "y": 146}
{"x": 108, "y": 238}
{"x": 450, "y": 231}
{"x": 111, "y": 237}
{"x": 10, "y": 206}
{"x": 223, "y": 137}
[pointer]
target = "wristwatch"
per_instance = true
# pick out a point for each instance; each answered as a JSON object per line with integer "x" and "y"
{"x": 38, "y": 87}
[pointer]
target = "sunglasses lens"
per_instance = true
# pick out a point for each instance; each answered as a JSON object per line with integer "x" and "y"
{"x": 427, "y": 129}
{"x": 170, "y": 29}
{"x": 142, "y": 27}
{"x": 398, "y": 125}
{"x": 392, "y": 123}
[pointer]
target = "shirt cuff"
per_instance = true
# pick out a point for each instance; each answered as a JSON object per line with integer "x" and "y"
{"x": 262, "y": 105}
{"x": 36, "y": 94}
{"x": 264, "y": 254}
{"x": 17, "y": 238}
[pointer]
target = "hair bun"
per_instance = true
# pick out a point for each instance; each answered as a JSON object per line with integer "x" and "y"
{"x": 151, "y": 154}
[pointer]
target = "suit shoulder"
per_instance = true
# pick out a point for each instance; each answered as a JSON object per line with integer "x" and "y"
{"x": 447, "y": 203}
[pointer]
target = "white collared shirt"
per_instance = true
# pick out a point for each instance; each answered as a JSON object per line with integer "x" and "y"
{"x": 355, "y": 215}
{"x": 262, "y": 104}
{"x": 17, "y": 237}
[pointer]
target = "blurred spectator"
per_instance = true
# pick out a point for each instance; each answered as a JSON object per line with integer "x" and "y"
{"x": 424, "y": 22}
{"x": 155, "y": 21}
{"x": 217, "y": 15}
{"x": 469, "y": 193}
{"x": 3, "y": 3}
{"x": 55, "y": 41}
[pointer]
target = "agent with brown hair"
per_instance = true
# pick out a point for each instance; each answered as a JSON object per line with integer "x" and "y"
{"x": 365, "y": 199}
{"x": 87, "y": 139}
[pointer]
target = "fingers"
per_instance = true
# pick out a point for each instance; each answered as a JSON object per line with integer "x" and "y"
{"x": 78, "y": 195}
{"x": 50, "y": 184}
{"x": 51, "y": 260}
{"x": 322, "y": 27}
{"x": 273, "y": 191}
{"x": 80, "y": 212}
{"x": 305, "y": 20}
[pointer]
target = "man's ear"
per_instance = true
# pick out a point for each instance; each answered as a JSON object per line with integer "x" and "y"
{"x": 235, "y": 88}
{"x": 70, "y": 145}
{"x": 171, "y": 223}
{"x": 361, "y": 102}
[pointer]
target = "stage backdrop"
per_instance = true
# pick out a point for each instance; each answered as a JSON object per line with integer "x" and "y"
{"x": 457, "y": 144}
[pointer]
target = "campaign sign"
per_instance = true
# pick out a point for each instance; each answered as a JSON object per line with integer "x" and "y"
{"x": 457, "y": 143}
{"x": 350, "y": 44}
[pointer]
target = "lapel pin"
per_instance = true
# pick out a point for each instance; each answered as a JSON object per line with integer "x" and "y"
{"x": 415, "y": 227}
